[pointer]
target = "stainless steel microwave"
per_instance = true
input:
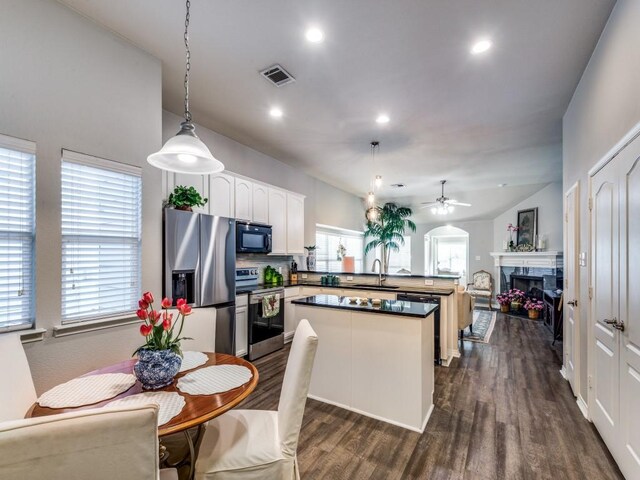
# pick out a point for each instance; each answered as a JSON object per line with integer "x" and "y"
{"x": 253, "y": 237}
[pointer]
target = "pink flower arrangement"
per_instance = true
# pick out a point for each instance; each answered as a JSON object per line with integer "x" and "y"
{"x": 534, "y": 304}
{"x": 159, "y": 327}
{"x": 503, "y": 298}
{"x": 512, "y": 228}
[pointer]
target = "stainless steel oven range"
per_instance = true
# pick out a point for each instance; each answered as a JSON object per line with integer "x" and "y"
{"x": 266, "y": 313}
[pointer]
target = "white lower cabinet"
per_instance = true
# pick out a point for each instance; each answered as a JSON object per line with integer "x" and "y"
{"x": 242, "y": 326}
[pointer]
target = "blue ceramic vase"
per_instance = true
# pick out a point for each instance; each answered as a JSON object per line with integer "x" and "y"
{"x": 156, "y": 368}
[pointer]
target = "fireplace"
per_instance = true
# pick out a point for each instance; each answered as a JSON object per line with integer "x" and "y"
{"x": 531, "y": 285}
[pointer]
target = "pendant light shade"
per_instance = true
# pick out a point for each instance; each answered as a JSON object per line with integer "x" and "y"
{"x": 186, "y": 153}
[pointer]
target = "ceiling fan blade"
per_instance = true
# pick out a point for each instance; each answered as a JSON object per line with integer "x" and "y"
{"x": 429, "y": 205}
{"x": 459, "y": 204}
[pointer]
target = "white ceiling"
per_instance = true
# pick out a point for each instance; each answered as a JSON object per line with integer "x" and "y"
{"x": 476, "y": 121}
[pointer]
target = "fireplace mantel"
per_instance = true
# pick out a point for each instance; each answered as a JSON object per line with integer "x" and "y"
{"x": 550, "y": 259}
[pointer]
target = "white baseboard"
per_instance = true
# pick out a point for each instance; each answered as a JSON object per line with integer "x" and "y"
{"x": 453, "y": 353}
{"x": 446, "y": 362}
{"x": 288, "y": 337}
{"x": 376, "y": 417}
{"x": 241, "y": 353}
{"x": 563, "y": 372}
{"x": 582, "y": 405}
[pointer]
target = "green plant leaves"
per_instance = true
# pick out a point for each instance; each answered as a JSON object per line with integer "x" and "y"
{"x": 184, "y": 197}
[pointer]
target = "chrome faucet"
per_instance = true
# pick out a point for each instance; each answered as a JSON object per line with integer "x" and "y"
{"x": 373, "y": 269}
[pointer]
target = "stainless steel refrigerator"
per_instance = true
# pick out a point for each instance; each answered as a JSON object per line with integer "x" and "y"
{"x": 199, "y": 265}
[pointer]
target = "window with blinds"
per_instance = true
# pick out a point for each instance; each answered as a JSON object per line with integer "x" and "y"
{"x": 17, "y": 232}
{"x": 101, "y": 238}
{"x": 327, "y": 241}
{"x": 400, "y": 261}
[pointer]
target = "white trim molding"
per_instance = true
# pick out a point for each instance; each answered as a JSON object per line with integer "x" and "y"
{"x": 582, "y": 405}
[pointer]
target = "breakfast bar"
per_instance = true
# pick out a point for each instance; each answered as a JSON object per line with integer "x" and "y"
{"x": 374, "y": 357}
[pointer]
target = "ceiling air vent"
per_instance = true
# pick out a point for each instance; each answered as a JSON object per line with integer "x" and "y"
{"x": 277, "y": 75}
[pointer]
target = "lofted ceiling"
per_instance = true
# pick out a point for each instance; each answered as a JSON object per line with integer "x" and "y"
{"x": 477, "y": 121}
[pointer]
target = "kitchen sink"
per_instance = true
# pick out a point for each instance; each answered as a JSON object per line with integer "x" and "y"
{"x": 369, "y": 286}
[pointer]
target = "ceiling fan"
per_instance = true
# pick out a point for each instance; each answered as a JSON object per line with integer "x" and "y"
{"x": 443, "y": 205}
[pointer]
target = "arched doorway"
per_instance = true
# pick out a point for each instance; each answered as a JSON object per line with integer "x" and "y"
{"x": 447, "y": 252}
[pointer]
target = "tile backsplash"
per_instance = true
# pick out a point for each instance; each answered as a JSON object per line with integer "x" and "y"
{"x": 261, "y": 261}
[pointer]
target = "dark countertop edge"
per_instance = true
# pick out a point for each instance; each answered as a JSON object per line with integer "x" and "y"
{"x": 401, "y": 289}
{"x": 399, "y": 275}
{"x": 368, "y": 309}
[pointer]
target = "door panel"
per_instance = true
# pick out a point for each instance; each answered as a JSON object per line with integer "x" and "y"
{"x": 630, "y": 309}
{"x": 571, "y": 291}
{"x": 606, "y": 350}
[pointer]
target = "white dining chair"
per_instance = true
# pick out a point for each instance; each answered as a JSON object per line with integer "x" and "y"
{"x": 261, "y": 444}
{"x": 18, "y": 392}
{"x": 96, "y": 444}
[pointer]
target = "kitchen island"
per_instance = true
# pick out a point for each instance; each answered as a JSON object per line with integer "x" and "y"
{"x": 376, "y": 360}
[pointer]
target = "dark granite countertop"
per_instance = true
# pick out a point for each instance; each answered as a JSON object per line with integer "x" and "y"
{"x": 307, "y": 283}
{"x": 387, "y": 307}
{"x": 371, "y": 274}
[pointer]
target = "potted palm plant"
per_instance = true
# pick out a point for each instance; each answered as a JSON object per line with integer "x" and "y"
{"x": 386, "y": 230}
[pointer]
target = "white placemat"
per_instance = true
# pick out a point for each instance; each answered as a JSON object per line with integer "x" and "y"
{"x": 87, "y": 390}
{"x": 214, "y": 379}
{"x": 192, "y": 360}
{"x": 170, "y": 403}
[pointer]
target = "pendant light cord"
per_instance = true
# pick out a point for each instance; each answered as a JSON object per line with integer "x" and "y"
{"x": 187, "y": 113}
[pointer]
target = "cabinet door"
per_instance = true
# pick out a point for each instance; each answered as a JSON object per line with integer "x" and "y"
{"x": 244, "y": 203}
{"x": 290, "y": 322}
{"x": 295, "y": 224}
{"x": 260, "y": 203}
{"x": 199, "y": 182}
{"x": 222, "y": 195}
{"x": 242, "y": 326}
{"x": 278, "y": 220}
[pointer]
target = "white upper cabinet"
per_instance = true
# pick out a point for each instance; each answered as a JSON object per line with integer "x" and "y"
{"x": 199, "y": 182}
{"x": 222, "y": 195}
{"x": 295, "y": 224}
{"x": 278, "y": 220}
{"x": 260, "y": 203}
{"x": 244, "y": 199}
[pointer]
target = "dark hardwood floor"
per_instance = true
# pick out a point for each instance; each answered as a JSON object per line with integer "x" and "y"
{"x": 502, "y": 411}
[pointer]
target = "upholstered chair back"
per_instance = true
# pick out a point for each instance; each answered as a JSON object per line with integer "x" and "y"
{"x": 17, "y": 393}
{"x": 482, "y": 280}
{"x": 96, "y": 444}
{"x": 295, "y": 386}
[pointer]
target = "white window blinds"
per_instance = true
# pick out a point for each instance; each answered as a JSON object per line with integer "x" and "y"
{"x": 327, "y": 241}
{"x": 400, "y": 261}
{"x": 101, "y": 232}
{"x": 17, "y": 229}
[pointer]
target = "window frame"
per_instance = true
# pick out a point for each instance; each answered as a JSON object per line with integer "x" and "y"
{"x": 94, "y": 322}
{"x": 30, "y": 148}
{"x": 341, "y": 232}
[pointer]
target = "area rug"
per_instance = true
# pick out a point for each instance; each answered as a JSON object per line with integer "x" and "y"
{"x": 483, "y": 323}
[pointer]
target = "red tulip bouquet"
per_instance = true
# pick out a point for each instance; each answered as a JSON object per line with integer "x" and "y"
{"x": 159, "y": 359}
{"x": 159, "y": 327}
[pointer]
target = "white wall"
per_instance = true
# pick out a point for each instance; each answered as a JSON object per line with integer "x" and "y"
{"x": 324, "y": 203}
{"x": 605, "y": 106}
{"x": 68, "y": 83}
{"x": 549, "y": 203}
{"x": 480, "y": 243}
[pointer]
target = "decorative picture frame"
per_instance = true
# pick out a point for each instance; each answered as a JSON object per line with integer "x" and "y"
{"x": 527, "y": 226}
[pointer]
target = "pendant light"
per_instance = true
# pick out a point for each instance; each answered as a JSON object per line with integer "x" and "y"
{"x": 185, "y": 152}
{"x": 372, "y": 212}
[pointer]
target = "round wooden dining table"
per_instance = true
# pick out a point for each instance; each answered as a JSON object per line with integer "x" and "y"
{"x": 197, "y": 410}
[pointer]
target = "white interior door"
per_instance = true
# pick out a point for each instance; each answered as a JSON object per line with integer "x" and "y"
{"x": 604, "y": 407}
{"x": 571, "y": 340}
{"x": 629, "y": 447}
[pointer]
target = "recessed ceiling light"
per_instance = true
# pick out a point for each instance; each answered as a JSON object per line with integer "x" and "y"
{"x": 276, "y": 112}
{"x": 314, "y": 35}
{"x": 480, "y": 46}
{"x": 502, "y": 185}
{"x": 382, "y": 119}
